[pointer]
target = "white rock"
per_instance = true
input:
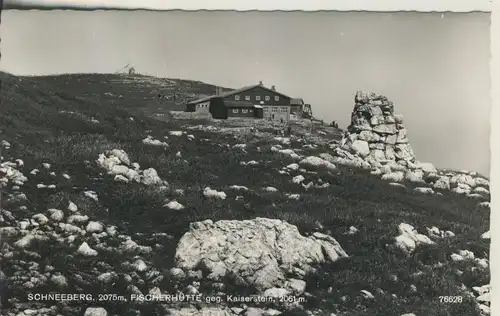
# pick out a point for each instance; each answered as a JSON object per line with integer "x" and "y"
{"x": 467, "y": 254}
{"x": 71, "y": 229}
{"x": 94, "y": 227}
{"x": 442, "y": 183}
{"x": 483, "y": 263}
{"x": 298, "y": 179}
{"x": 120, "y": 178}
{"x": 95, "y": 311}
{"x": 239, "y": 188}
{"x": 150, "y": 177}
{"x": 293, "y": 196}
{"x": 59, "y": 280}
{"x": 276, "y": 292}
{"x": 462, "y": 189}
{"x": 80, "y": 219}
{"x": 449, "y": 234}
{"x": 486, "y": 297}
{"x": 415, "y": 176}
{"x": 293, "y": 167}
{"x": 397, "y": 176}
{"x": 484, "y": 309}
{"x": 482, "y": 289}
{"x": 209, "y": 193}
{"x": 367, "y": 294}
{"x": 481, "y": 190}
{"x": 484, "y": 204}
{"x": 56, "y": 215}
{"x": 360, "y": 147}
{"x": 24, "y": 225}
{"x": 297, "y": 286}
{"x": 174, "y": 205}
{"x": 486, "y": 235}
{"x": 314, "y": 161}
{"x": 46, "y": 165}
{"x": 270, "y": 189}
{"x": 85, "y": 250}
{"x": 26, "y": 241}
{"x": 409, "y": 238}
{"x": 464, "y": 179}
{"x": 106, "y": 277}
{"x": 456, "y": 257}
{"x": 154, "y": 142}
{"x": 91, "y": 194}
{"x": 72, "y": 207}
{"x": 121, "y": 155}
{"x": 176, "y": 133}
{"x": 263, "y": 247}
{"x": 40, "y": 219}
{"x": 423, "y": 190}
{"x": 482, "y": 182}
{"x": 352, "y": 230}
{"x": 140, "y": 266}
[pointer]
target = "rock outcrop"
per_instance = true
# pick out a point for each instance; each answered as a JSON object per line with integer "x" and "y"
{"x": 376, "y": 132}
{"x": 261, "y": 252}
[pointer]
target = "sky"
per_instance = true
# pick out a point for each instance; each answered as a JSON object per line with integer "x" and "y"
{"x": 433, "y": 66}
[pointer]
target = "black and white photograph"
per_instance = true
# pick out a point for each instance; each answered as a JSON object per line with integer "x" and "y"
{"x": 253, "y": 163}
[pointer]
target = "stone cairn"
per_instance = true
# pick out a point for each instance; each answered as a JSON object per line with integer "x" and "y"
{"x": 375, "y": 132}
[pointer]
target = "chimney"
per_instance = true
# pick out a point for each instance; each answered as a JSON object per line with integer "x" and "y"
{"x": 260, "y": 83}
{"x": 273, "y": 87}
{"x": 217, "y": 89}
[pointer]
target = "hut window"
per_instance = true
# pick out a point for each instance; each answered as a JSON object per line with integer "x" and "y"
{"x": 247, "y": 98}
{"x": 257, "y": 97}
{"x": 235, "y": 110}
{"x": 244, "y": 111}
{"x": 268, "y": 98}
{"x": 275, "y": 109}
{"x": 237, "y": 97}
{"x": 266, "y": 109}
{"x": 284, "y": 110}
{"x": 276, "y": 98}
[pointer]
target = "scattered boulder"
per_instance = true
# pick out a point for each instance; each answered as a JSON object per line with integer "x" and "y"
{"x": 85, "y": 250}
{"x": 313, "y": 161}
{"x": 409, "y": 238}
{"x": 209, "y": 193}
{"x": 174, "y": 205}
{"x": 149, "y": 140}
{"x": 117, "y": 163}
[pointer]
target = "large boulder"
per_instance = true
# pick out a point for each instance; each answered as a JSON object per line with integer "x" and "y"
{"x": 261, "y": 252}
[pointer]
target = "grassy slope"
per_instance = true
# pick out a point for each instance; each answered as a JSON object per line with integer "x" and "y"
{"x": 130, "y": 91}
{"x": 31, "y": 121}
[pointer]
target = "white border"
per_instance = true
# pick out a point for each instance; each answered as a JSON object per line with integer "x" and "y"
{"x": 494, "y": 147}
{"x": 271, "y": 5}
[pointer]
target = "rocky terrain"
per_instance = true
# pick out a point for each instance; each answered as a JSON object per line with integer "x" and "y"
{"x": 107, "y": 211}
